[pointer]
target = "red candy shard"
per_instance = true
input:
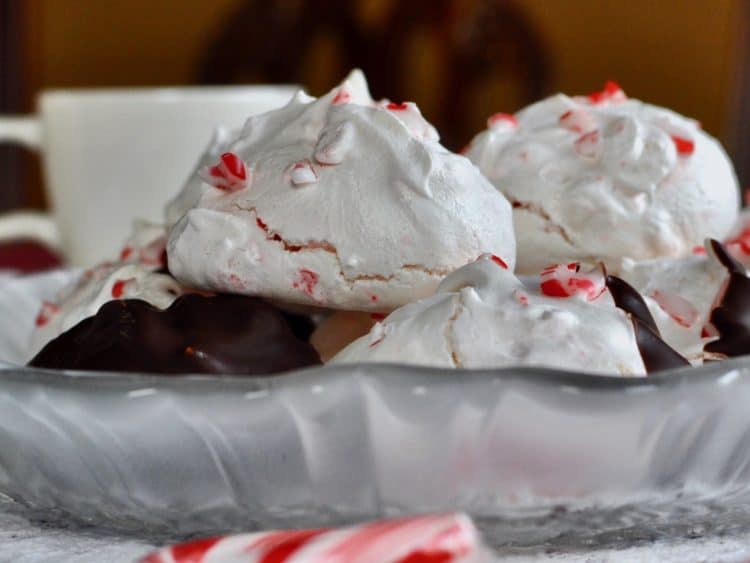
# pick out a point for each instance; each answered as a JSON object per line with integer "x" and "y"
{"x": 496, "y": 259}
{"x": 684, "y": 146}
{"x": 502, "y": 118}
{"x": 610, "y": 93}
{"x": 118, "y": 288}
{"x": 397, "y": 107}
{"x": 234, "y": 164}
{"x": 499, "y": 261}
{"x": 306, "y": 282}
{"x": 698, "y": 250}
{"x": 521, "y": 297}
{"x": 46, "y": 312}
{"x": 740, "y": 243}
{"x": 554, "y": 288}
{"x": 566, "y": 280}
{"x": 342, "y": 97}
{"x": 229, "y": 174}
{"x": 126, "y": 253}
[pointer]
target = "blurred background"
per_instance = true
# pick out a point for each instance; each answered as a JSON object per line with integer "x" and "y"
{"x": 460, "y": 60}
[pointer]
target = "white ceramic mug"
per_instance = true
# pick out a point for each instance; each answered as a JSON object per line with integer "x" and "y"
{"x": 113, "y": 155}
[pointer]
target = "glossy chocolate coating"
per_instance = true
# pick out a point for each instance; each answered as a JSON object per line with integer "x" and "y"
{"x": 657, "y": 355}
{"x": 731, "y": 317}
{"x": 221, "y": 334}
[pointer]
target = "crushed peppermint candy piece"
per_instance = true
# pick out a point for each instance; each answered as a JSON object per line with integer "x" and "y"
{"x": 303, "y": 174}
{"x": 499, "y": 261}
{"x": 521, "y": 297}
{"x": 306, "y": 282}
{"x": 408, "y": 113}
{"x": 610, "y": 93}
{"x": 342, "y": 97}
{"x": 442, "y": 538}
{"x": 589, "y": 145}
{"x": 120, "y": 286}
{"x": 740, "y": 243}
{"x": 685, "y": 146}
{"x": 494, "y": 258}
{"x": 46, "y": 312}
{"x": 678, "y": 308}
{"x": 578, "y": 121}
{"x": 502, "y": 121}
{"x": 567, "y": 280}
{"x": 229, "y": 174}
{"x": 126, "y": 253}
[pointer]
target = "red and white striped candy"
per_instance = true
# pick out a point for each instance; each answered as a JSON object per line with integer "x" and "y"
{"x": 424, "y": 539}
{"x": 229, "y": 174}
{"x": 567, "y": 280}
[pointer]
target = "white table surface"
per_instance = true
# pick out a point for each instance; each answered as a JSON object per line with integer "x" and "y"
{"x": 24, "y": 540}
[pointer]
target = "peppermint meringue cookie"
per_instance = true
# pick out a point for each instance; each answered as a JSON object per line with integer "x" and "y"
{"x": 482, "y": 316}
{"x": 605, "y": 177}
{"x": 337, "y": 202}
{"x": 679, "y": 293}
{"x": 138, "y": 275}
{"x": 682, "y": 293}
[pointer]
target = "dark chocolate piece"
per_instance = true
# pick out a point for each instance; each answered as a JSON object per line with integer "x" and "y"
{"x": 221, "y": 334}
{"x": 731, "y": 316}
{"x": 657, "y": 355}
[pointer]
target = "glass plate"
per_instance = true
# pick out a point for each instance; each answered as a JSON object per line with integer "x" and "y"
{"x": 538, "y": 456}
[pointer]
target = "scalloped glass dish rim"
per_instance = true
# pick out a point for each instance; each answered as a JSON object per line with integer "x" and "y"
{"x": 538, "y": 374}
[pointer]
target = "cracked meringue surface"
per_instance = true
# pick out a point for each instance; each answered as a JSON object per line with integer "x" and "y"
{"x": 482, "y": 316}
{"x": 340, "y": 202}
{"x": 605, "y": 177}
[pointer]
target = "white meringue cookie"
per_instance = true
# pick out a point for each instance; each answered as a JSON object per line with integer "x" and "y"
{"x": 344, "y": 203}
{"x": 482, "y": 316}
{"x": 679, "y": 293}
{"x": 134, "y": 277}
{"x": 606, "y": 178}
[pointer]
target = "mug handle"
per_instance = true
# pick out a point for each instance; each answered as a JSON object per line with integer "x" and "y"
{"x": 26, "y": 130}
{"x": 23, "y": 129}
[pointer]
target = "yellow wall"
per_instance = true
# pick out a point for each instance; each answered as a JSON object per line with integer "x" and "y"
{"x": 128, "y": 42}
{"x": 677, "y": 53}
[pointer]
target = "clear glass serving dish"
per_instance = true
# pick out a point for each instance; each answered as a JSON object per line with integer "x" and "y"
{"x": 538, "y": 456}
